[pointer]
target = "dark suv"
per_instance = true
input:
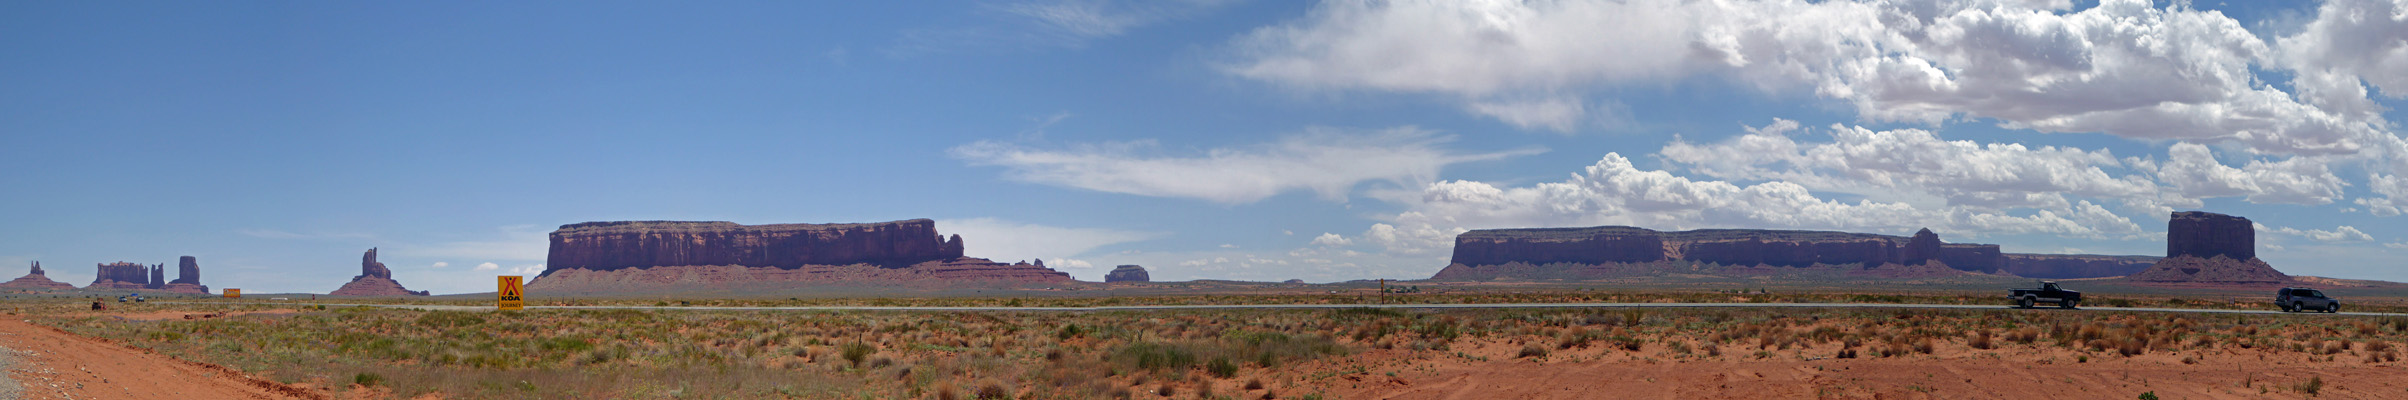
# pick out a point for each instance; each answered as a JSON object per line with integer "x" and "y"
{"x": 2305, "y": 299}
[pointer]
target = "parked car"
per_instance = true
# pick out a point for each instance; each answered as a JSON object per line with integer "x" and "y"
{"x": 2047, "y": 293}
{"x": 2293, "y": 299}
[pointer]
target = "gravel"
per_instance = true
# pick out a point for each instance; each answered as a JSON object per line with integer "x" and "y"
{"x": 9, "y": 389}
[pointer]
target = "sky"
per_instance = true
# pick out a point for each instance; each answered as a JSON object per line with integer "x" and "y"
{"x": 1204, "y": 139}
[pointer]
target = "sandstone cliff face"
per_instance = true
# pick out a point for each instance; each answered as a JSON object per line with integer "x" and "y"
{"x": 1925, "y": 246}
{"x": 158, "y": 277}
{"x": 2207, "y": 235}
{"x": 1127, "y": 273}
{"x": 188, "y": 270}
{"x": 188, "y": 277}
{"x": 370, "y": 268}
{"x": 671, "y": 255}
{"x": 36, "y": 280}
{"x": 121, "y": 275}
{"x": 1781, "y": 248}
{"x": 603, "y": 246}
{"x": 2073, "y": 266}
{"x": 1743, "y": 247}
{"x": 374, "y": 280}
{"x": 2210, "y": 248}
{"x": 1985, "y": 258}
{"x": 942, "y": 274}
{"x": 1598, "y": 245}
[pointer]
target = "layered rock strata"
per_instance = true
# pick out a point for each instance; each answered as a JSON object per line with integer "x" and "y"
{"x": 2072, "y": 266}
{"x": 602, "y": 246}
{"x": 641, "y": 255}
{"x": 2210, "y": 248}
{"x": 1622, "y": 250}
{"x": 36, "y": 280}
{"x": 941, "y": 274}
{"x": 374, "y": 280}
{"x": 2207, "y": 235}
{"x": 1127, "y": 273}
{"x": 1738, "y": 247}
{"x": 120, "y": 275}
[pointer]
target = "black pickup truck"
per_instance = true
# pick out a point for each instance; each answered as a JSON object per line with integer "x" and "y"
{"x": 2047, "y": 293}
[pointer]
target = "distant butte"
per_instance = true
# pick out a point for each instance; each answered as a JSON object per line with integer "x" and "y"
{"x": 120, "y": 275}
{"x": 2210, "y": 248}
{"x": 374, "y": 280}
{"x": 1127, "y": 273}
{"x": 188, "y": 277}
{"x": 685, "y": 255}
{"x": 1604, "y": 251}
{"x": 36, "y": 280}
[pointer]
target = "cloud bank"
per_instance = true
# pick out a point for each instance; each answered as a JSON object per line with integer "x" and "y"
{"x": 1327, "y": 162}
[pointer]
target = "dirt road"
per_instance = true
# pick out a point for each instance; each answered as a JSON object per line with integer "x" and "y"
{"x": 52, "y": 364}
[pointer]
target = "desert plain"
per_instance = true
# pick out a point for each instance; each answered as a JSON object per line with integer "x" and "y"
{"x": 1601, "y": 342}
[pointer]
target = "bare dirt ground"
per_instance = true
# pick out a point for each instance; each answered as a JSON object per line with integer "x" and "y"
{"x": 1953, "y": 372}
{"x": 59, "y": 365}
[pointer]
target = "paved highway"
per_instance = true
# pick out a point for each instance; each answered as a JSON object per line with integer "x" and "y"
{"x": 1320, "y": 307}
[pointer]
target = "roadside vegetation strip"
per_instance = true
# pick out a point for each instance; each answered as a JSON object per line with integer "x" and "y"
{"x": 1331, "y": 307}
{"x": 2371, "y": 302}
{"x": 1228, "y": 351}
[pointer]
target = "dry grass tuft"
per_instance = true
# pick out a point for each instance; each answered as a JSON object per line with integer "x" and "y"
{"x": 1531, "y": 350}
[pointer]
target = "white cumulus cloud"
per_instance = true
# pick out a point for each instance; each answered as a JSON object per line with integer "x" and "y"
{"x": 2192, "y": 169}
{"x": 1009, "y": 241}
{"x": 2352, "y": 43}
{"x": 2344, "y": 233}
{"x": 1615, "y": 192}
{"x": 1327, "y": 162}
{"x": 2122, "y": 67}
{"x": 1332, "y": 239}
{"x": 488, "y": 267}
{"x": 1906, "y": 164}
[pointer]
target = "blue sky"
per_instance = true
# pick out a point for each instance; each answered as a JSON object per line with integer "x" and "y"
{"x": 1204, "y": 139}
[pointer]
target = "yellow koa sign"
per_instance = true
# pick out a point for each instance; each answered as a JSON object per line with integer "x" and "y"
{"x": 233, "y": 293}
{"x": 513, "y": 295}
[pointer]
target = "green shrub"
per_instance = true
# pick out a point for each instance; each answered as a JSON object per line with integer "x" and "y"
{"x": 369, "y": 379}
{"x": 993, "y": 391}
{"x": 2314, "y": 385}
{"x": 1443, "y": 330}
{"x": 1155, "y": 356}
{"x": 1069, "y": 331}
{"x": 1221, "y": 367}
{"x": 856, "y": 351}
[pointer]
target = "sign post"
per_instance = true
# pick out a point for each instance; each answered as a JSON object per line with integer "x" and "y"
{"x": 513, "y": 295}
{"x": 233, "y": 293}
